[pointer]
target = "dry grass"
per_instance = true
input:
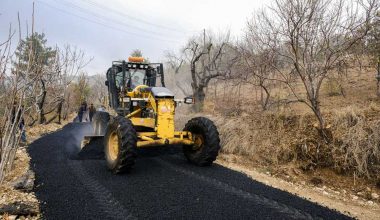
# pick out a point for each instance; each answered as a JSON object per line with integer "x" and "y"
{"x": 283, "y": 137}
{"x": 333, "y": 87}
{"x": 357, "y": 140}
{"x": 288, "y": 133}
{"x": 269, "y": 138}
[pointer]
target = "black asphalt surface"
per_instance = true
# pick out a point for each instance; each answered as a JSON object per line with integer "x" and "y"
{"x": 162, "y": 185}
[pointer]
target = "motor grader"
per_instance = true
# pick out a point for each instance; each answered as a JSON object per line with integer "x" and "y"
{"x": 142, "y": 115}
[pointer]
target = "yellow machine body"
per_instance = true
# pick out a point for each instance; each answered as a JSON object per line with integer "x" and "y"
{"x": 161, "y": 125}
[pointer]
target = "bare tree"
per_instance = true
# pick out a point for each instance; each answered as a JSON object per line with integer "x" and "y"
{"x": 82, "y": 88}
{"x": 373, "y": 46}
{"x": 257, "y": 67}
{"x": 12, "y": 110}
{"x": 177, "y": 64}
{"x": 98, "y": 89}
{"x": 53, "y": 70}
{"x": 209, "y": 57}
{"x": 33, "y": 77}
{"x": 69, "y": 62}
{"x": 312, "y": 37}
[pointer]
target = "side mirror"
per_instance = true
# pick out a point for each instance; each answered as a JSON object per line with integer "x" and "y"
{"x": 189, "y": 100}
{"x": 106, "y": 82}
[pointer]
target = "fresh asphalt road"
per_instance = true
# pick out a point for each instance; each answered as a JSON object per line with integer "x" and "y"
{"x": 162, "y": 185}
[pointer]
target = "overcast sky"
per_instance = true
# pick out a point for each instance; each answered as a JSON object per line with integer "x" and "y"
{"x": 110, "y": 30}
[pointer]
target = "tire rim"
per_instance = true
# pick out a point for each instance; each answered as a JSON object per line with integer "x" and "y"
{"x": 198, "y": 141}
{"x": 113, "y": 146}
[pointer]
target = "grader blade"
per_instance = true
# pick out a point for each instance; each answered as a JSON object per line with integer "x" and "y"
{"x": 91, "y": 148}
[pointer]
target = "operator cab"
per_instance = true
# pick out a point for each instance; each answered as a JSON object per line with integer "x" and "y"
{"x": 138, "y": 77}
{"x": 124, "y": 77}
{"x": 135, "y": 72}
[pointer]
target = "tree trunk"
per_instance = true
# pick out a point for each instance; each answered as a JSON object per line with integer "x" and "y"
{"x": 40, "y": 103}
{"x": 199, "y": 96}
{"x": 378, "y": 78}
{"x": 59, "y": 111}
{"x": 67, "y": 108}
{"x": 265, "y": 102}
{"x": 322, "y": 125}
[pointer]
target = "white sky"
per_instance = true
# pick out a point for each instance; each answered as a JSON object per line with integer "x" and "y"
{"x": 110, "y": 30}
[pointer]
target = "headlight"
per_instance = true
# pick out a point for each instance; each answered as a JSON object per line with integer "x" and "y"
{"x": 189, "y": 100}
{"x": 127, "y": 99}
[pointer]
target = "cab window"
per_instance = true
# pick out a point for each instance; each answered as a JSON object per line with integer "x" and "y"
{"x": 137, "y": 77}
{"x": 119, "y": 79}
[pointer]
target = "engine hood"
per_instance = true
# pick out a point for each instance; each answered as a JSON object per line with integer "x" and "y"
{"x": 162, "y": 92}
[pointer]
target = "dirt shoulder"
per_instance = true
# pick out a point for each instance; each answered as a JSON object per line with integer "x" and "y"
{"x": 342, "y": 199}
{"x": 17, "y": 201}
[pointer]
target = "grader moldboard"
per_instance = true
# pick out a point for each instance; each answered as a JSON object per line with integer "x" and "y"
{"x": 142, "y": 115}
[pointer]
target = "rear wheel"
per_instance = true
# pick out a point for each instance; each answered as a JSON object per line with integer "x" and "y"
{"x": 99, "y": 122}
{"x": 120, "y": 145}
{"x": 206, "y": 141}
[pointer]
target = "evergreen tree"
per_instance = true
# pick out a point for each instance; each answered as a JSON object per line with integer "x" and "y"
{"x": 35, "y": 60}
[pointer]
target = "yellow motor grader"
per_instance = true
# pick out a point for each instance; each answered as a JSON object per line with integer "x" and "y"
{"x": 142, "y": 115}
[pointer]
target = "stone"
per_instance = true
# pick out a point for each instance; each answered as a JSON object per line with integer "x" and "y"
{"x": 374, "y": 196}
{"x": 25, "y": 182}
{"x": 296, "y": 171}
{"x": 20, "y": 208}
{"x": 355, "y": 198}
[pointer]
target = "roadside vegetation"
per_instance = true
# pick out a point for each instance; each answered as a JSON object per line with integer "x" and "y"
{"x": 300, "y": 86}
{"x": 40, "y": 84}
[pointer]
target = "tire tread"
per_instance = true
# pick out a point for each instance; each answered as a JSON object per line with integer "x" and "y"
{"x": 128, "y": 146}
{"x": 211, "y": 147}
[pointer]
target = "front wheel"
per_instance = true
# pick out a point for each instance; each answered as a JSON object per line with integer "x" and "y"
{"x": 206, "y": 141}
{"x": 120, "y": 145}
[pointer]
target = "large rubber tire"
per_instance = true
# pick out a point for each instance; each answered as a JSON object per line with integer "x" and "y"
{"x": 122, "y": 159}
{"x": 99, "y": 122}
{"x": 206, "y": 153}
